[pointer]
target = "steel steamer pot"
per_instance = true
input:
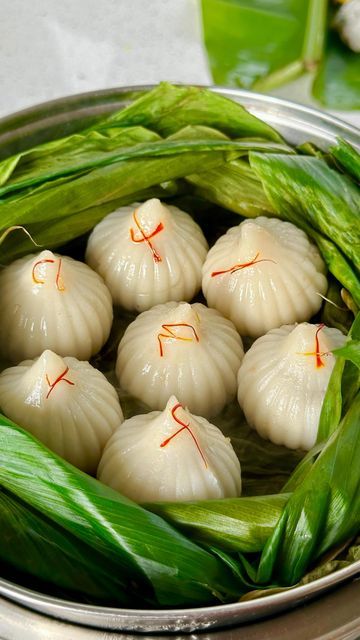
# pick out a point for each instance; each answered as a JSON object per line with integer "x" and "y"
{"x": 337, "y": 613}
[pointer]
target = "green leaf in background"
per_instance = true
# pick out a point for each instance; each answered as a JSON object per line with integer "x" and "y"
{"x": 261, "y": 44}
{"x": 156, "y": 562}
{"x": 247, "y": 40}
{"x": 337, "y": 84}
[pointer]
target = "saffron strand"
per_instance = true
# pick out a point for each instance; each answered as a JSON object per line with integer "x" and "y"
{"x": 60, "y": 378}
{"x": 33, "y": 273}
{"x": 146, "y": 238}
{"x": 317, "y": 353}
{"x": 238, "y": 267}
{"x": 170, "y": 335}
{"x": 184, "y": 427}
{"x": 58, "y": 280}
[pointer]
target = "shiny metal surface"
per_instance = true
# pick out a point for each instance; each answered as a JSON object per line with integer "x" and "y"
{"x": 176, "y": 620}
{"x": 335, "y": 616}
{"x": 298, "y": 124}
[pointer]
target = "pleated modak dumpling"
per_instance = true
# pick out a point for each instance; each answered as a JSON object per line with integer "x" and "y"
{"x": 262, "y": 274}
{"x": 170, "y": 455}
{"x": 67, "y": 404}
{"x": 148, "y": 254}
{"x": 52, "y": 302}
{"x": 180, "y": 349}
{"x": 283, "y": 380}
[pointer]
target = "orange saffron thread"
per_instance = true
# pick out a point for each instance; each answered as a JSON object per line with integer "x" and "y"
{"x": 33, "y": 273}
{"x": 238, "y": 267}
{"x": 184, "y": 427}
{"x": 58, "y": 281}
{"x": 60, "y": 378}
{"x": 317, "y": 353}
{"x": 145, "y": 238}
{"x": 170, "y": 335}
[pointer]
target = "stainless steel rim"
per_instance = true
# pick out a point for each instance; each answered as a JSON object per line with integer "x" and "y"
{"x": 174, "y": 620}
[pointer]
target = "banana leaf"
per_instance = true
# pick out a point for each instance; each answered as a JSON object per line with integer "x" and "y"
{"x": 40, "y": 548}
{"x": 62, "y": 156}
{"x": 83, "y": 152}
{"x": 168, "y": 108}
{"x": 347, "y": 157}
{"x": 241, "y": 53}
{"x": 157, "y": 564}
{"x": 58, "y": 232}
{"x": 324, "y": 203}
{"x": 239, "y": 524}
{"x": 65, "y": 207}
{"x": 323, "y": 511}
{"x": 234, "y": 186}
{"x": 337, "y": 83}
{"x": 236, "y": 34}
{"x": 328, "y": 200}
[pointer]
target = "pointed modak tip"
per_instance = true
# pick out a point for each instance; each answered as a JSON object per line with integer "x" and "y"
{"x": 171, "y": 403}
{"x": 183, "y": 312}
{"x": 50, "y": 362}
{"x": 302, "y": 335}
{"x": 45, "y": 254}
{"x": 151, "y": 211}
{"x": 255, "y": 236}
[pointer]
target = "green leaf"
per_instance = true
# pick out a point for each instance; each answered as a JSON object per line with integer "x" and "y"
{"x": 342, "y": 387}
{"x": 351, "y": 351}
{"x": 37, "y": 546}
{"x": 57, "y": 232}
{"x": 329, "y": 201}
{"x": 337, "y": 84}
{"x": 54, "y": 160}
{"x": 326, "y": 204}
{"x": 156, "y": 562}
{"x": 236, "y": 34}
{"x": 68, "y": 155}
{"x": 235, "y": 186}
{"x": 239, "y": 524}
{"x": 323, "y": 511}
{"x": 347, "y": 157}
{"x": 168, "y": 108}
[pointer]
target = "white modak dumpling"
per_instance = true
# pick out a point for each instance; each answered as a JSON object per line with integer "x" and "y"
{"x": 180, "y": 349}
{"x": 148, "y": 254}
{"x": 170, "y": 455}
{"x": 52, "y": 302}
{"x": 67, "y": 404}
{"x": 283, "y": 380}
{"x": 262, "y": 274}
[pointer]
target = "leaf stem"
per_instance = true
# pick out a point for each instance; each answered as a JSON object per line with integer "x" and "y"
{"x": 314, "y": 37}
{"x": 281, "y": 76}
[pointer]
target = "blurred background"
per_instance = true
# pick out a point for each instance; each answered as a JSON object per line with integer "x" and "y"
{"x": 290, "y": 48}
